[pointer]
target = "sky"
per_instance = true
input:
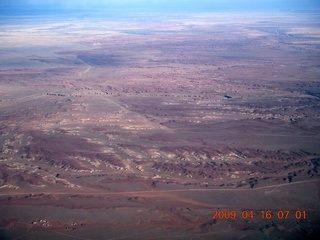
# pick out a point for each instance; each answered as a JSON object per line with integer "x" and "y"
{"x": 44, "y": 7}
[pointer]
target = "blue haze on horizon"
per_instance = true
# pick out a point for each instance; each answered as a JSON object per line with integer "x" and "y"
{"x": 54, "y": 7}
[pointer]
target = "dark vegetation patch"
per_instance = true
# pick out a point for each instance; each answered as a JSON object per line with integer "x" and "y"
{"x": 99, "y": 60}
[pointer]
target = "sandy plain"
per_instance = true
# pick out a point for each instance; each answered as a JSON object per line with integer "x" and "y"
{"x": 140, "y": 127}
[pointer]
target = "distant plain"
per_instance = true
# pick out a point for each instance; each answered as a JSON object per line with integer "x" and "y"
{"x": 139, "y": 127}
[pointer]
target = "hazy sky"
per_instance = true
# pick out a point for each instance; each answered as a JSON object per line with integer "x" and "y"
{"x": 30, "y": 7}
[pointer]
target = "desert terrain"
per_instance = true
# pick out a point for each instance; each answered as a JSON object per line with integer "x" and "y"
{"x": 140, "y": 127}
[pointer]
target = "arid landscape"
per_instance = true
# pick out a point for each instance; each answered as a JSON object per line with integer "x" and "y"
{"x": 139, "y": 127}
